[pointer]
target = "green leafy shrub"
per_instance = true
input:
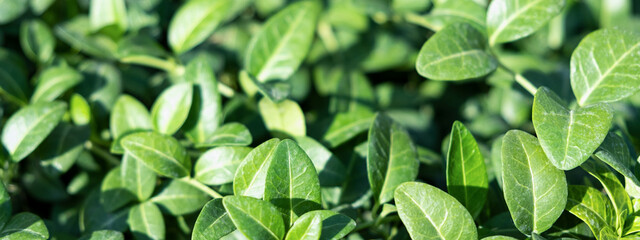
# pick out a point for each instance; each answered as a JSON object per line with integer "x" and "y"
{"x": 240, "y": 119}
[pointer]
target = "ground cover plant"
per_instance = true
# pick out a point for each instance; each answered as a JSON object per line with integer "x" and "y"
{"x": 334, "y": 119}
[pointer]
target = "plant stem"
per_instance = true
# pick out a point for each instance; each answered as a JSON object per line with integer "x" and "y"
{"x": 102, "y": 153}
{"x": 525, "y": 83}
{"x": 203, "y": 187}
{"x": 418, "y": 20}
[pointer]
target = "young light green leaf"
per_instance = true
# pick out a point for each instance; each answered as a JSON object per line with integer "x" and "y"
{"x": 345, "y": 126}
{"x": 137, "y": 178}
{"x": 250, "y": 176}
{"x": 28, "y": 127}
{"x": 331, "y": 171}
{"x": 621, "y": 202}
{"x": 467, "y": 178}
{"x": 59, "y": 151}
{"x": 12, "y": 9}
{"x": 591, "y": 206}
{"x": 218, "y": 165}
{"x": 277, "y": 51}
{"x": 24, "y": 226}
{"x": 79, "y": 110}
{"x": 534, "y": 190}
{"x": 292, "y": 183}
{"x": 568, "y": 136}
{"x": 230, "y": 134}
{"x": 127, "y": 116}
{"x": 205, "y": 115}
{"x": 53, "y": 82}
{"x": 113, "y": 193}
{"x": 334, "y": 225}
{"x": 284, "y": 118}
{"x": 5, "y": 206}
{"x": 456, "y": 52}
{"x": 171, "y": 108}
{"x": 109, "y": 16}
{"x": 614, "y": 152}
{"x": 391, "y": 158}
{"x": 450, "y": 12}
{"x": 195, "y": 21}
{"x": 163, "y": 154}
{"x": 103, "y": 235}
{"x": 213, "y": 222}
{"x": 178, "y": 197}
{"x": 429, "y": 213}
{"x": 255, "y": 218}
{"x": 510, "y": 20}
{"x": 37, "y": 40}
{"x": 307, "y": 227}
{"x": 605, "y": 66}
{"x": 146, "y": 222}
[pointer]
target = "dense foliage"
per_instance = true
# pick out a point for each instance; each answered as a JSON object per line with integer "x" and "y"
{"x": 355, "y": 119}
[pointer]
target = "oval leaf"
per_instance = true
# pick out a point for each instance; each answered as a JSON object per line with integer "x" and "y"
{"x": 250, "y": 176}
{"x": 37, "y": 40}
{"x": 163, "y": 154}
{"x": 510, "y": 20}
{"x": 213, "y": 222}
{"x": 178, "y": 197}
{"x": 230, "y": 134}
{"x": 218, "y": 166}
{"x": 307, "y": 227}
{"x": 128, "y": 115}
{"x": 25, "y": 226}
{"x": 137, "y": 178}
{"x": 205, "y": 115}
{"x": 195, "y": 21}
{"x": 53, "y": 82}
{"x": 334, "y": 225}
{"x": 146, "y": 222}
{"x": 171, "y": 109}
{"x": 255, "y": 218}
{"x": 284, "y": 118}
{"x": 110, "y": 15}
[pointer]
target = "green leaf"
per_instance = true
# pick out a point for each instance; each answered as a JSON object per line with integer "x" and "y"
{"x": 205, "y": 115}
{"x": 568, "y": 136}
{"x": 59, "y": 151}
{"x": 456, "y": 52}
{"x": 178, "y": 197}
{"x": 292, "y": 183}
{"x": 195, "y": 21}
{"x": 76, "y": 34}
{"x": 5, "y": 205}
{"x": 591, "y": 206}
{"x": 614, "y": 152}
{"x": 218, "y": 165}
{"x": 331, "y": 171}
{"x": 283, "y": 119}
{"x": 146, "y": 222}
{"x": 334, "y": 225}
{"x": 24, "y": 226}
{"x": 307, "y": 227}
{"x": 93, "y": 216}
{"x": 345, "y": 126}
{"x": 171, "y": 109}
{"x": 278, "y": 49}
{"x": 13, "y": 79}
{"x": 230, "y": 134}
{"x": 534, "y": 190}
{"x": 391, "y": 158}
{"x": 604, "y": 67}
{"x": 633, "y": 221}
{"x": 256, "y": 219}
{"x": 429, "y": 213}
{"x": 113, "y": 193}
{"x": 53, "y": 82}
{"x": 467, "y": 178}
{"x": 213, "y": 222}
{"x": 163, "y": 154}
{"x": 11, "y": 9}
{"x": 79, "y": 110}
{"x": 109, "y": 16}
{"x": 39, "y": 6}
{"x": 37, "y": 40}
{"x": 28, "y": 127}
{"x": 499, "y": 238}
{"x": 128, "y": 116}
{"x": 104, "y": 235}
{"x": 137, "y": 178}
{"x": 613, "y": 187}
{"x": 450, "y": 12}
{"x": 510, "y": 20}
{"x": 251, "y": 175}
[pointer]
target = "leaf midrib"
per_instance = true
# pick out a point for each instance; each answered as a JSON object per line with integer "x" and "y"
{"x": 510, "y": 19}
{"x": 38, "y": 121}
{"x": 426, "y": 215}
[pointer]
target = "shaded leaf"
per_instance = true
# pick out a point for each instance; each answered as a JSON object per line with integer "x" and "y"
{"x": 53, "y": 82}
{"x": 137, "y": 178}
{"x": 213, "y": 222}
{"x": 113, "y": 193}
{"x": 331, "y": 171}
{"x": 307, "y": 228}
{"x": 146, "y": 222}
{"x": 591, "y": 206}
{"x": 205, "y": 115}
{"x": 614, "y": 189}
{"x": 37, "y": 40}
{"x": 178, "y": 197}
{"x": 25, "y": 226}
{"x": 230, "y": 134}
{"x": 5, "y": 206}
{"x": 104, "y": 235}
{"x": 614, "y": 152}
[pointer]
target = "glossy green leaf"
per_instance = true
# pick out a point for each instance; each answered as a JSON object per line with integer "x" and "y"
{"x": 278, "y": 49}
{"x": 59, "y": 151}
{"x": 128, "y": 116}
{"x": 230, "y": 134}
{"x": 334, "y": 225}
{"x": 255, "y": 218}
{"x": 53, "y": 82}
{"x": 568, "y": 136}
{"x": 429, "y": 213}
{"x": 171, "y": 109}
{"x": 467, "y": 178}
{"x": 306, "y": 227}
{"x": 205, "y": 115}
{"x": 178, "y": 197}
{"x": 251, "y": 175}
{"x": 391, "y": 158}
{"x": 632, "y": 223}
{"x": 591, "y": 206}
{"x": 27, "y": 128}
{"x": 11, "y": 9}
{"x": 604, "y": 67}
{"x": 345, "y": 126}
{"x": 292, "y": 183}
{"x": 213, "y": 222}
{"x": 103, "y": 235}
{"x": 23, "y": 226}
{"x": 93, "y": 216}
{"x": 37, "y": 40}
{"x": 218, "y": 165}
{"x": 137, "y": 178}
{"x": 614, "y": 189}
{"x": 79, "y": 110}
{"x": 284, "y": 118}
{"x": 113, "y": 193}
{"x": 450, "y": 12}
{"x": 5, "y": 206}
{"x": 456, "y": 52}
{"x": 534, "y": 190}
{"x": 163, "y": 154}
{"x": 614, "y": 152}
{"x": 510, "y": 20}
{"x": 195, "y": 21}
{"x": 108, "y": 15}
{"x": 331, "y": 171}
{"x": 146, "y": 222}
